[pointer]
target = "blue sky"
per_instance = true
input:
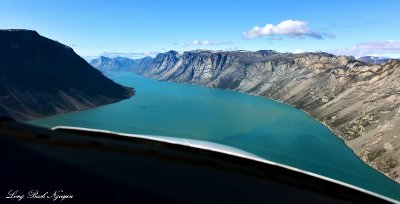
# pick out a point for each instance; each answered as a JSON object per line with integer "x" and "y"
{"x": 138, "y": 28}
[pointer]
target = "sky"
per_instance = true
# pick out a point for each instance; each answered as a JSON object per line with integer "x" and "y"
{"x": 143, "y": 28}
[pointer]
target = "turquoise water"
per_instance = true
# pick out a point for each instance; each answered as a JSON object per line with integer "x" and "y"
{"x": 269, "y": 129}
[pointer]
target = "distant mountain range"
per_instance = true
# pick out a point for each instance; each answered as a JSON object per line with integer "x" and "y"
{"x": 41, "y": 77}
{"x": 359, "y": 101}
{"x": 106, "y": 64}
{"x": 374, "y": 60}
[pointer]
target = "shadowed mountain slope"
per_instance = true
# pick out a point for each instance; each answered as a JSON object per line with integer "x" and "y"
{"x": 41, "y": 77}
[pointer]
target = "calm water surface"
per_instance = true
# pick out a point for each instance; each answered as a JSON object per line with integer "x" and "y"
{"x": 269, "y": 129}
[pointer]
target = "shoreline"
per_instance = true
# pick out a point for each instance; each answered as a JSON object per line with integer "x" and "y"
{"x": 281, "y": 102}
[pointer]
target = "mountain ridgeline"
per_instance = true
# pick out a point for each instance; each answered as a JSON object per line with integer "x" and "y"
{"x": 41, "y": 77}
{"x": 359, "y": 101}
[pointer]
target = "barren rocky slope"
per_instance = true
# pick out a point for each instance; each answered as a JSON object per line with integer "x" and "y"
{"x": 360, "y": 102}
{"x": 41, "y": 77}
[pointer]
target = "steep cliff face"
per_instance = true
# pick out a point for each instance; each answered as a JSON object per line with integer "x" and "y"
{"x": 41, "y": 77}
{"x": 360, "y": 102}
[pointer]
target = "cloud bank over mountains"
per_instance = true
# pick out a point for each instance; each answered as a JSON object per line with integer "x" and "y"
{"x": 293, "y": 29}
{"x": 374, "y": 48}
{"x": 206, "y": 42}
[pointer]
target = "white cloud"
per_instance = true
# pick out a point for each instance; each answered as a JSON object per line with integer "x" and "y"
{"x": 374, "y": 48}
{"x": 290, "y": 28}
{"x": 206, "y": 42}
{"x": 298, "y": 51}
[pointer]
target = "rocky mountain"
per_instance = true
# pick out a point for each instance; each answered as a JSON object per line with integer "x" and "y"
{"x": 41, "y": 77}
{"x": 373, "y": 60}
{"x": 107, "y": 64}
{"x": 359, "y": 101}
